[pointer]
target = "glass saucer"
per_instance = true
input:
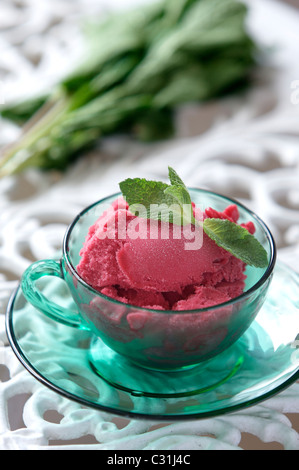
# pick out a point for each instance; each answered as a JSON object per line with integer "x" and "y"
{"x": 78, "y": 366}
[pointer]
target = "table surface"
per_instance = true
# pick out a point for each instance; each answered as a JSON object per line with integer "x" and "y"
{"x": 245, "y": 147}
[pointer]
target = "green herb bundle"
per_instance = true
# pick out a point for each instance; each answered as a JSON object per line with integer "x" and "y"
{"x": 141, "y": 65}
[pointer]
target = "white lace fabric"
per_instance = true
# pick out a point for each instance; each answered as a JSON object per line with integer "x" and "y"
{"x": 244, "y": 147}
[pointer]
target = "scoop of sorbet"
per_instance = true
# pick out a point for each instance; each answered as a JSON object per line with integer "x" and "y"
{"x": 157, "y": 265}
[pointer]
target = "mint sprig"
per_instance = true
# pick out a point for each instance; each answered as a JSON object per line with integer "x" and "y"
{"x": 172, "y": 203}
{"x": 237, "y": 240}
{"x": 168, "y": 203}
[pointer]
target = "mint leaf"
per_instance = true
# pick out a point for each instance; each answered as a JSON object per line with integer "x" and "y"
{"x": 175, "y": 179}
{"x": 158, "y": 201}
{"x": 181, "y": 197}
{"x": 237, "y": 240}
{"x": 145, "y": 197}
{"x": 142, "y": 191}
{"x": 181, "y": 200}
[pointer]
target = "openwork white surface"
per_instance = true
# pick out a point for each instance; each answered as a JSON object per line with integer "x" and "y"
{"x": 246, "y": 147}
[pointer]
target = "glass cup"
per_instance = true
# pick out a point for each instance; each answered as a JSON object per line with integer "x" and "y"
{"x": 153, "y": 339}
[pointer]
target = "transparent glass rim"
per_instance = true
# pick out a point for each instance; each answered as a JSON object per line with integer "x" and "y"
{"x": 244, "y": 295}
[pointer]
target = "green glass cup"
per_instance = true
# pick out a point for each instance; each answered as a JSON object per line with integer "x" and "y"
{"x": 153, "y": 339}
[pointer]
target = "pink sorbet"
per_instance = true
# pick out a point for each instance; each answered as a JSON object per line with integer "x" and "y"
{"x": 122, "y": 259}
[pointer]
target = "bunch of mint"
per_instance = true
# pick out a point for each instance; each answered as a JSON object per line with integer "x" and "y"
{"x": 138, "y": 67}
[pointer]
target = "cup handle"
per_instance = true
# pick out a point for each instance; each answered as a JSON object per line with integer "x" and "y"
{"x": 39, "y": 300}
